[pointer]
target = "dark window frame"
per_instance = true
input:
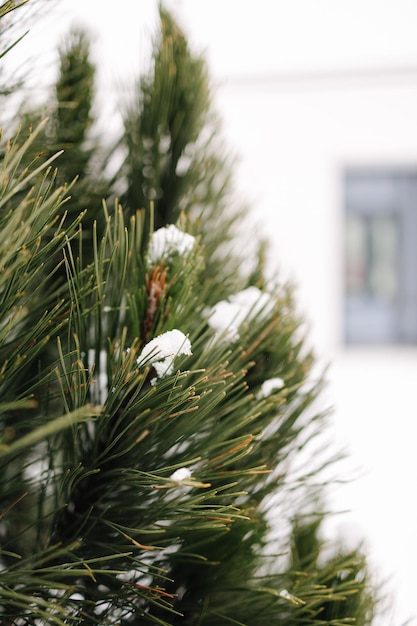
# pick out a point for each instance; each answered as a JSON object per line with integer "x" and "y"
{"x": 387, "y": 316}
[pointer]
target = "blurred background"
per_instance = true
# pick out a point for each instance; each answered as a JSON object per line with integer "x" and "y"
{"x": 319, "y": 100}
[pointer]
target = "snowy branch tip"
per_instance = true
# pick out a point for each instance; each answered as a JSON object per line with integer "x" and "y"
{"x": 269, "y": 386}
{"x": 161, "y": 351}
{"x": 167, "y": 241}
{"x": 226, "y": 316}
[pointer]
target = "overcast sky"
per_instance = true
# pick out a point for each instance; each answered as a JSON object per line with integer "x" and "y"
{"x": 240, "y": 36}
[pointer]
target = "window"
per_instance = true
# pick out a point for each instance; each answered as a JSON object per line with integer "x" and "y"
{"x": 381, "y": 256}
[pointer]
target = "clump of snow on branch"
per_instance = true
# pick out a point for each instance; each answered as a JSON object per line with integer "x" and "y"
{"x": 226, "y": 316}
{"x": 167, "y": 241}
{"x": 183, "y": 477}
{"x": 181, "y": 474}
{"x": 284, "y": 593}
{"x": 269, "y": 386}
{"x": 161, "y": 351}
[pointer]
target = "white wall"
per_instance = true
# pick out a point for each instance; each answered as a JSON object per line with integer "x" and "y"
{"x": 295, "y": 141}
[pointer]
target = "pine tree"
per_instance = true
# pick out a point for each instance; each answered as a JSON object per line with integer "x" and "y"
{"x": 155, "y": 403}
{"x": 176, "y": 159}
{"x": 7, "y": 41}
{"x": 67, "y": 120}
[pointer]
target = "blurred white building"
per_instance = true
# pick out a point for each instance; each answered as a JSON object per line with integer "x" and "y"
{"x": 319, "y": 99}
{"x": 330, "y": 160}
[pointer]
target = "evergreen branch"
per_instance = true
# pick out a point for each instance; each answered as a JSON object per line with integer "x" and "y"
{"x": 17, "y": 41}
{"x": 53, "y": 427}
{"x": 133, "y": 493}
{"x": 11, "y": 5}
